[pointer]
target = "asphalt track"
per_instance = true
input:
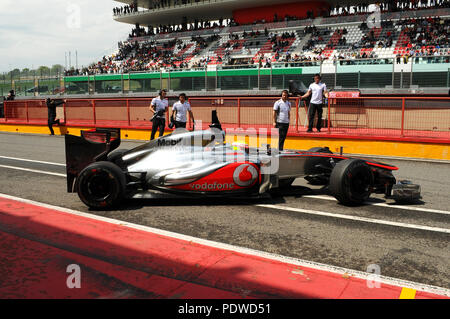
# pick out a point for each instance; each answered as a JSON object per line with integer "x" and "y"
{"x": 409, "y": 243}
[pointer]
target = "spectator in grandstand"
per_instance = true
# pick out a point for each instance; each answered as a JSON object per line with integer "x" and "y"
{"x": 282, "y": 117}
{"x": 180, "y": 110}
{"x": 318, "y": 90}
{"x": 51, "y": 107}
{"x": 159, "y": 107}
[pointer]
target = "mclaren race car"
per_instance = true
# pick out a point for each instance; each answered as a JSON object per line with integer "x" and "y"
{"x": 201, "y": 163}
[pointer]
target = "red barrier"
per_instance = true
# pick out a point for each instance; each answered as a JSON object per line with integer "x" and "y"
{"x": 376, "y": 118}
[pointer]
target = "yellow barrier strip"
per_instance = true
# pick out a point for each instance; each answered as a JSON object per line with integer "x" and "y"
{"x": 407, "y": 293}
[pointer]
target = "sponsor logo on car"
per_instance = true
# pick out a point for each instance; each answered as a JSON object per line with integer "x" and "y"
{"x": 164, "y": 142}
{"x": 245, "y": 175}
{"x": 212, "y": 186}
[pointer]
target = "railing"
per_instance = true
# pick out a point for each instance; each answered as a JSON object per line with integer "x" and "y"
{"x": 248, "y": 78}
{"x": 378, "y": 118}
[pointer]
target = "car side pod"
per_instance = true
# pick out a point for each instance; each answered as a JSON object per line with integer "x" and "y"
{"x": 405, "y": 192}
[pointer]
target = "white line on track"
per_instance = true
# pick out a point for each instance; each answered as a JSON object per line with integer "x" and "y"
{"x": 31, "y": 161}
{"x": 419, "y": 209}
{"x": 33, "y": 170}
{"x": 356, "y": 218}
{"x": 243, "y": 250}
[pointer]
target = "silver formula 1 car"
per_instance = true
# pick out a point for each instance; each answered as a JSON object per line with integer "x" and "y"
{"x": 200, "y": 163}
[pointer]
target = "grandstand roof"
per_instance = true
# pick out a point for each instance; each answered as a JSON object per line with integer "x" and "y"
{"x": 198, "y": 10}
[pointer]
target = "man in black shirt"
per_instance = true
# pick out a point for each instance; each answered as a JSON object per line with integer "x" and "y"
{"x": 2, "y": 100}
{"x": 51, "y": 106}
{"x": 11, "y": 96}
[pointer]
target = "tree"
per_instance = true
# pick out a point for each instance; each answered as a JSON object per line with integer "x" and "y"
{"x": 43, "y": 70}
{"x": 57, "y": 69}
{"x": 14, "y": 74}
{"x": 25, "y": 72}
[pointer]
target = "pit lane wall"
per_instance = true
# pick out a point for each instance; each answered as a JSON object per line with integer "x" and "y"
{"x": 384, "y": 126}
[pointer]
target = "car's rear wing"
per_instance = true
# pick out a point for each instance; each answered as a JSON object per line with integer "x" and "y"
{"x": 91, "y": 146}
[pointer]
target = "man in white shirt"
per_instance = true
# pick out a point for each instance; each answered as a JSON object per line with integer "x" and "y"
{"x": 179, "y": 111}
{"x": 281, "y": 117}
{"x": 159, "y": 107}
{"x": 318, "y": 90}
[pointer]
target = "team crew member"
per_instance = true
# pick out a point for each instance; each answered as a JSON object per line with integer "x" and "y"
{"x": 281, "y": 117}
{"x": 179, "y": 111}
{"x": 159, "y": 107}
{"x": 51, "y": 107}
{"x": 11, "y": 96}
{"x": 318, "y": 90}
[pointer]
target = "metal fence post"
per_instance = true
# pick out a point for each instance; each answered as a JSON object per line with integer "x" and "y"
{"x": 259, "y": 78}
{"x": 64, "y": 112}
{"x": 239, "y": 112}
{"x": 168, "y": 84}
{"x": 26, "y": 111}
{"x": 393, "y": 73}
{"x": 403, "y": 116}
{"x": 401, "y": 79}
{"x": 122, "y": 84}
{"x": 217, "y": 79}
{"x": 128, "y": 112}
{"x": 93, "y": 112}
{"x": 359, "y": 79}
{"x": 271, "y": 81}
{"x": 448, "y": 77}
{"x": 329, "y": 115}
{"x": 335, "y": 75}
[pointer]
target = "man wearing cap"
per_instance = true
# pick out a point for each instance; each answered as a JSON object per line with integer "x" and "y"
{"x": 159, "y": 107}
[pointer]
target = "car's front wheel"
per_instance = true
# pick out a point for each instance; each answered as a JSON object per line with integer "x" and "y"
{"x": 351, "y": 182}
{"x": 101, "y": 185}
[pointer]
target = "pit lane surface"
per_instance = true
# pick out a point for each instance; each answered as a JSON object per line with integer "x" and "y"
{"x": 281, "y": 224}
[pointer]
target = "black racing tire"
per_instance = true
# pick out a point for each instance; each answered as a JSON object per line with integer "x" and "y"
{"x": 310, "y": 166}
{"x": 116, "y": 156}
{"x": 101, "y": 185}
{"x": 285, "y": 183}
{"x": 351, "y": 182}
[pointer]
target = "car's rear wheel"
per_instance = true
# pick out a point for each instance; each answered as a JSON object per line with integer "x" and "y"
{"x": 351, "y": 182}
{"x": 101, "y": 185}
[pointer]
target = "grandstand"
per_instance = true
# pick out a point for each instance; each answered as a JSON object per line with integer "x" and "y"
{"x": 249, "y": 45}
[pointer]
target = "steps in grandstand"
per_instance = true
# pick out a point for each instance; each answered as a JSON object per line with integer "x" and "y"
{"x": 301, "y": 43}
